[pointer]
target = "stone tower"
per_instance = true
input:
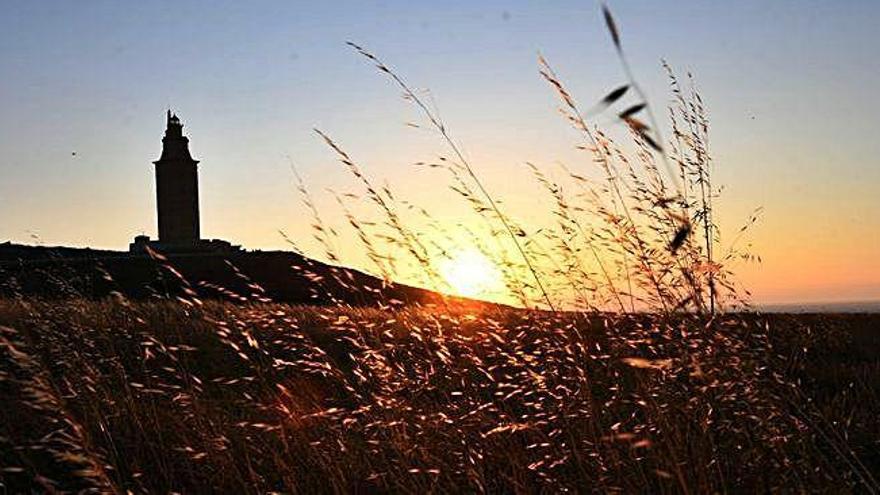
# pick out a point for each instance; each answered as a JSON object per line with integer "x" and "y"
{"x": 177, "y": 188}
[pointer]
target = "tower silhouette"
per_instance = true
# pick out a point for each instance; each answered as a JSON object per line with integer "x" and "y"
{"x": 177, "y": 201}
{"x": 177, "y": 188}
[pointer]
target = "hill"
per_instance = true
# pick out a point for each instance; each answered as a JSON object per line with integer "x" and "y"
{"x": 241, "y": 276}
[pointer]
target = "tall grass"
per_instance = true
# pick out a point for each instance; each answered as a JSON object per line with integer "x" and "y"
{"x": 160, "y": 396}
{"x": 622, "y": 243}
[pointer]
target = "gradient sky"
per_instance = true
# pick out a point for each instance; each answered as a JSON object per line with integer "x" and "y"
{"x": 791, "y": 88}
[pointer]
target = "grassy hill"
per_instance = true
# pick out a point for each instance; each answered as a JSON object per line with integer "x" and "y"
{"x": 244, "y": 276}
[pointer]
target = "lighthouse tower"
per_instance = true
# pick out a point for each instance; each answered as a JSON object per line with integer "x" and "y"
{"x": 177, "y": 200}
{"x": 177, "y": 189}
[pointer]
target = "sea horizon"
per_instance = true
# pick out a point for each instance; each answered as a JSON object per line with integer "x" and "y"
{"x": 870, "y": 306}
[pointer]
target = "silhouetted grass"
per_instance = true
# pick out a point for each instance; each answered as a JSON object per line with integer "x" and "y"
{"x": 623, "y": 241}
{"x": 159, "y": 397}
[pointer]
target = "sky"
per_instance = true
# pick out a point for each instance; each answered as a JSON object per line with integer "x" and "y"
{"x": 790, "y": 87}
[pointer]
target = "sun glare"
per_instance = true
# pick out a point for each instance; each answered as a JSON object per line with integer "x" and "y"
{"x": 470, "y": 274}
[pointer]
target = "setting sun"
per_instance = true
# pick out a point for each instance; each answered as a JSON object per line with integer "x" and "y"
{"x": 471, "y": 274}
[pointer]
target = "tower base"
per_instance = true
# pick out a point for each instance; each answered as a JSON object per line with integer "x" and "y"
{"x": 140, "y": 244}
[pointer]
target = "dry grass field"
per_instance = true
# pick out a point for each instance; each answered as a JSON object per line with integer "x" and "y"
{"x": 192, "y": 397}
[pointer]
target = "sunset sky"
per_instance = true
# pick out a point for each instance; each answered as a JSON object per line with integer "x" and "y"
{"x": 791, "y": 88}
